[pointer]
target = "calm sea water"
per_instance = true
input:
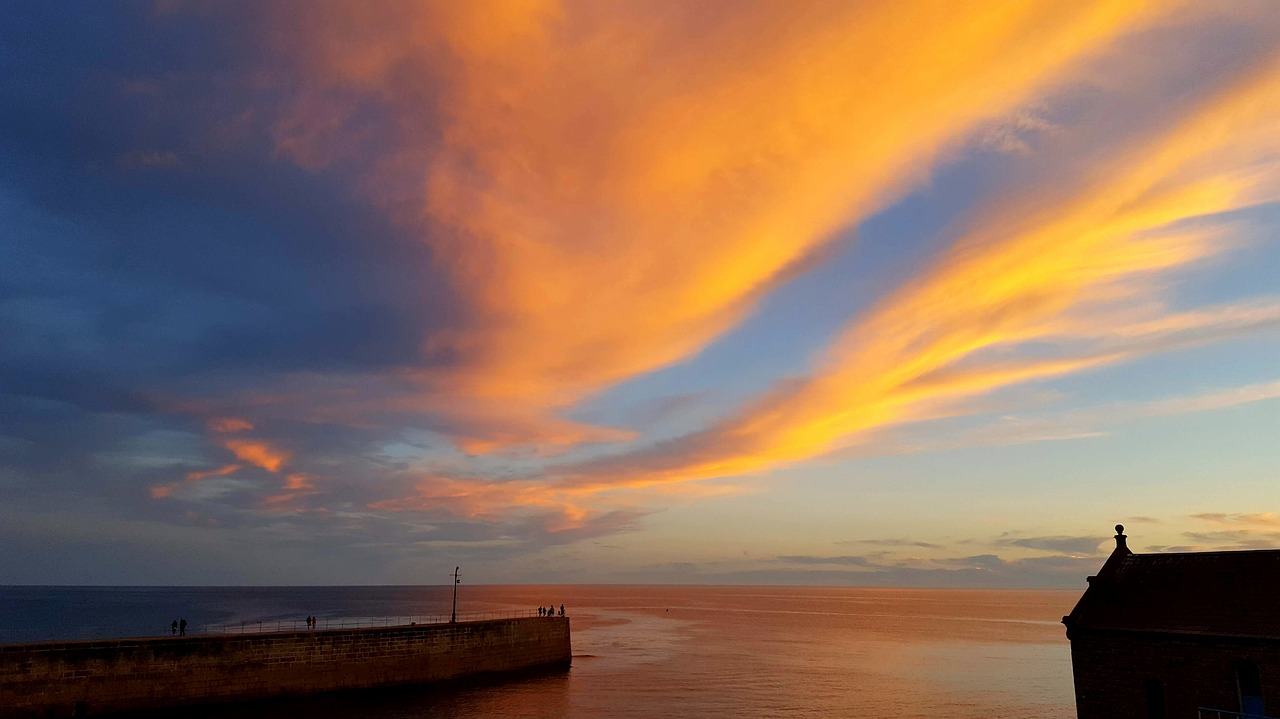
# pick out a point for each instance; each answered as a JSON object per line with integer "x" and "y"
{"x": 656, "y": 651}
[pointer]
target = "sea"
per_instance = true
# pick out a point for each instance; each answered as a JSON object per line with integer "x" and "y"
{"x": 645, "y": 651}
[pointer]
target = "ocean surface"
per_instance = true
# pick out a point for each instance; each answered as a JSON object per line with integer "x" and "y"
{"x": 649, "y": 651}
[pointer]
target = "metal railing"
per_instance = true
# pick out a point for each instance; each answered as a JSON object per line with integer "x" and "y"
{"x": 323, "y": 623}
{"x": 1207, "y": 713}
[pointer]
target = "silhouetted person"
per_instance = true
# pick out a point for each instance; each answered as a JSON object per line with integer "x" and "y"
{"x": 562, "y": 610}
{"x": 182, "y": 628}
{"x": 540, "y": 611}
{"x": 173, "y": 628}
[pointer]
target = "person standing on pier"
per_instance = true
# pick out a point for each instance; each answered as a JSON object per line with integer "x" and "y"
{"x": 173, "y": 628}
{"x": 182, "y": 628}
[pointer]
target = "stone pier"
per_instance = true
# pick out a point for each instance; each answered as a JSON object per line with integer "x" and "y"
{"x": 64, "y": 679}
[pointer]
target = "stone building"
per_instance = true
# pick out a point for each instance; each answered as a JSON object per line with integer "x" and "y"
{"x": 1179, "y": 636}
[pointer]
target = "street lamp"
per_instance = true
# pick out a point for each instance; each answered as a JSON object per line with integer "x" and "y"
{"x": 454, "y": 617}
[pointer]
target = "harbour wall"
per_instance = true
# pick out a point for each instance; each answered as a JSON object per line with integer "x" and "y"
{"x": 63, "y": 679}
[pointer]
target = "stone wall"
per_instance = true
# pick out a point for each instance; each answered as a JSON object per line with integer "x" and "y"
{"x": 93, "y": 677}
{"x": 1112, "y": 671}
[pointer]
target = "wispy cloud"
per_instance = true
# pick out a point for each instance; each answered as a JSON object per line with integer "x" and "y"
{"x": 1057, "y": 426}
{"x": 1250, "y": 521}
{"x": 1072, "y": 546}
{"x": 846, "y": 560}
{"x": 611, "y": 191}
{"x": 1259, "y": 530}
{"x": 258, "y": 453}
{"x": 1234, "y": 539}
{"x": 893, "y": 543}
{"x": 219, "y": 472}
{"x": 1062, "y": 278}
{"x": 228, "y": 425}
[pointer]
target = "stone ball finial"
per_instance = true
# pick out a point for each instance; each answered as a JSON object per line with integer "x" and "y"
{"x": 1119, "y": 529}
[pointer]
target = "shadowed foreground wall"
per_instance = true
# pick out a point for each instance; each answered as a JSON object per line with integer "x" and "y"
{"x": 1112, "y": 671}
{"x": 61, "y": 678}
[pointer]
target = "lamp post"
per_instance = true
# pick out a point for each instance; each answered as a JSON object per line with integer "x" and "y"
{"x": 453, "y": 618}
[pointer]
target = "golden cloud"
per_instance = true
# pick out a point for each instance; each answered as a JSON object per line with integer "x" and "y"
{"x": 612, "y": 187}
{"x": 219, "y": 472}
{"x": 229, "y": 425}
{"x": 1259, "y": 520}
{"x": 476, "y": 498}
{"x": 258, "y": 453}
{"x": 1064, "y": 277}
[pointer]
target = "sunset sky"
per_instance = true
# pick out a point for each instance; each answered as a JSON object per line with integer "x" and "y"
{"x": 854, "y": 293}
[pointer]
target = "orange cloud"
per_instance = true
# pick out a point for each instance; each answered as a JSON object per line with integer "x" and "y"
{"x": 1263, "y": 520}
{"x": 257, "y": 453}
{"x": 219, "y": 472}
{"x": 1064, "y": 277}
{"x": 164, "y": 491}
{"x": 489, "y": 499}
{"x": 228, "y": 425}
{"x": 273, "y": 501}
{"x": 296, "y": 486}
{"x": 614, "y": 186}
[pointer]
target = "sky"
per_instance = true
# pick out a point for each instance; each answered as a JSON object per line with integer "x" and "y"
{"x": 739, "y": 292}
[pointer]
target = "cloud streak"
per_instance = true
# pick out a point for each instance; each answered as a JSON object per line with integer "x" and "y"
{"x": 1064, "y": 278}
{"x": 611, "y": 190}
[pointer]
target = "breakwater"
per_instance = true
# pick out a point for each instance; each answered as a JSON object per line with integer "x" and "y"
{"x": 98, "y": 677}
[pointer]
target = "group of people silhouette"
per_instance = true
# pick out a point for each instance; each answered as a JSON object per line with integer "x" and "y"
{"x": 550, "y": 611}
{"x": 311, "y": 622}
{"x": 178, "y": 628}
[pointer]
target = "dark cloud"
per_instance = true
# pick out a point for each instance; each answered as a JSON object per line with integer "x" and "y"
{"x": 1174, "y": 549}
{"x": 893, "y": 543}
{"x": 851, "y": 561}
{"x": 163, "y": 265}
{"x": 222, "y": 255}
{"x": 1057, "y": 544}
{"x": 977, "y": 561}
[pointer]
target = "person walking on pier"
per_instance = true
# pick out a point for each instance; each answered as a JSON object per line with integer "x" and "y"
{"x": 173, "y": 628}
{"x": 182, "y": 628}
